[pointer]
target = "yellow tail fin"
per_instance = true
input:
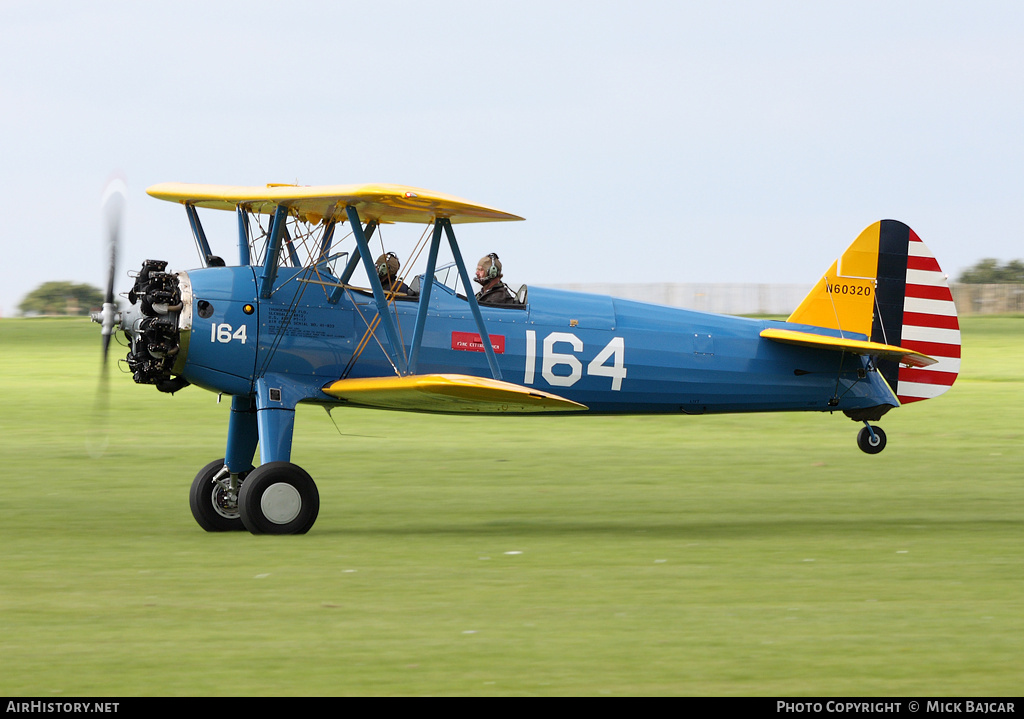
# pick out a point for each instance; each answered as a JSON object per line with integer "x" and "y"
{"x": 844, "y": 299}
{"x": 889, "y": 286}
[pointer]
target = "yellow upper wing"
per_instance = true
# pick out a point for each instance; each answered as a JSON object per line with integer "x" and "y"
{"x": 376, "y": 203}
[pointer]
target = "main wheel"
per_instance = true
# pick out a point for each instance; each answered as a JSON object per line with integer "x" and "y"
{"x": 869, "y": 444}
{"x": 213, "y": 503}
{"x": 278, "y": 498}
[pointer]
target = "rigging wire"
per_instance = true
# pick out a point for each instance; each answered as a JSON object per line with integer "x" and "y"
{"x": 307, "y": 240}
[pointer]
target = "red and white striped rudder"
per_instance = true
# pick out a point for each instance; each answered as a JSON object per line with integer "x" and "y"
{"x": 930, "y": 326}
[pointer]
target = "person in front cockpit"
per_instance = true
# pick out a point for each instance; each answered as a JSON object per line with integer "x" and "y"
{"x": 387, "y": 270}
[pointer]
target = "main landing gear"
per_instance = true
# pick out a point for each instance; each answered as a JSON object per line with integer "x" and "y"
{"x": 871, "y": 439}
{"x": 274, "y": 498}
{"x": 278, "y": 498}
{"x": 213, "y": 500}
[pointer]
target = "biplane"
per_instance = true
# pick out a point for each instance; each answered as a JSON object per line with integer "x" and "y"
{"x": 288, "y": 323}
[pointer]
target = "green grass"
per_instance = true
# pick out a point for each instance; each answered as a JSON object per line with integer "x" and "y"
{"x": 725, "y": 555}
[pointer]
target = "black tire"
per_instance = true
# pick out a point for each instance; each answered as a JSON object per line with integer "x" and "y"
{"x": 278, "y": 498}
{"x": 213, "y": 507}
{"x": 865, "y": 442}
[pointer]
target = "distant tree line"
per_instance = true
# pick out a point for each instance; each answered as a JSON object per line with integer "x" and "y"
{"x": 990, "y": 272}
{"x": 62, "y": 298}
{"x": 68, "y": 298}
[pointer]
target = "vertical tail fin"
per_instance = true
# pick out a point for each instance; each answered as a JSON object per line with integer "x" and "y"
{"x": 888, "y": 286}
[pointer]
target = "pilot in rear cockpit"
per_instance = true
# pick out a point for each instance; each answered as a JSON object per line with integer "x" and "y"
{"x": 493, "y": 290}
{"x": 387, "y": 270}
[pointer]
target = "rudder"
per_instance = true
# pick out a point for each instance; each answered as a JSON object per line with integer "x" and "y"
{"x": 929, "y": 324}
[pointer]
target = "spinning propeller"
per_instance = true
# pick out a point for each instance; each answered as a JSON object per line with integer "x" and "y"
{"x": 113, "y": 210}
{"x": 108, "y": 318}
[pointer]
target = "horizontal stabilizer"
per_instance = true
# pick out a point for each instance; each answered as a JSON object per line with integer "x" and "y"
{"x": 860, "y": 347}
{"x": 448, "y": 393}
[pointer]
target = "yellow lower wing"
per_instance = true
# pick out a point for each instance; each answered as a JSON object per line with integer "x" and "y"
{"x": 861, "y": 347}
{"x": 449, "y": 393}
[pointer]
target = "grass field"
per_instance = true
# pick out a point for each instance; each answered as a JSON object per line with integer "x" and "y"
{"x": 730, "y": 555}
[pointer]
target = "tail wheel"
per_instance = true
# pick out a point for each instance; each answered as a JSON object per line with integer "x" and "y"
{"x": 278, "y": 498}
{"x": 871, "y": 444}
{"x": 214, "y": 504}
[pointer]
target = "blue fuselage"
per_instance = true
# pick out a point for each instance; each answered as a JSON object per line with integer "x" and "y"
{"x": 612, "y": 355}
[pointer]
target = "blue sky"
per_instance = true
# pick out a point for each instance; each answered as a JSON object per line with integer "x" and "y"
{"x": 642, "y": 141}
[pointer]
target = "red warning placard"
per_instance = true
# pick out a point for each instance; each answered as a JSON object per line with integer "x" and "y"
{"x": 470, "y": 342}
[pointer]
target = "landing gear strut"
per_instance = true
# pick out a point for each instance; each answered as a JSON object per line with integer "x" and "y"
{"x": 871, "y": 439}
